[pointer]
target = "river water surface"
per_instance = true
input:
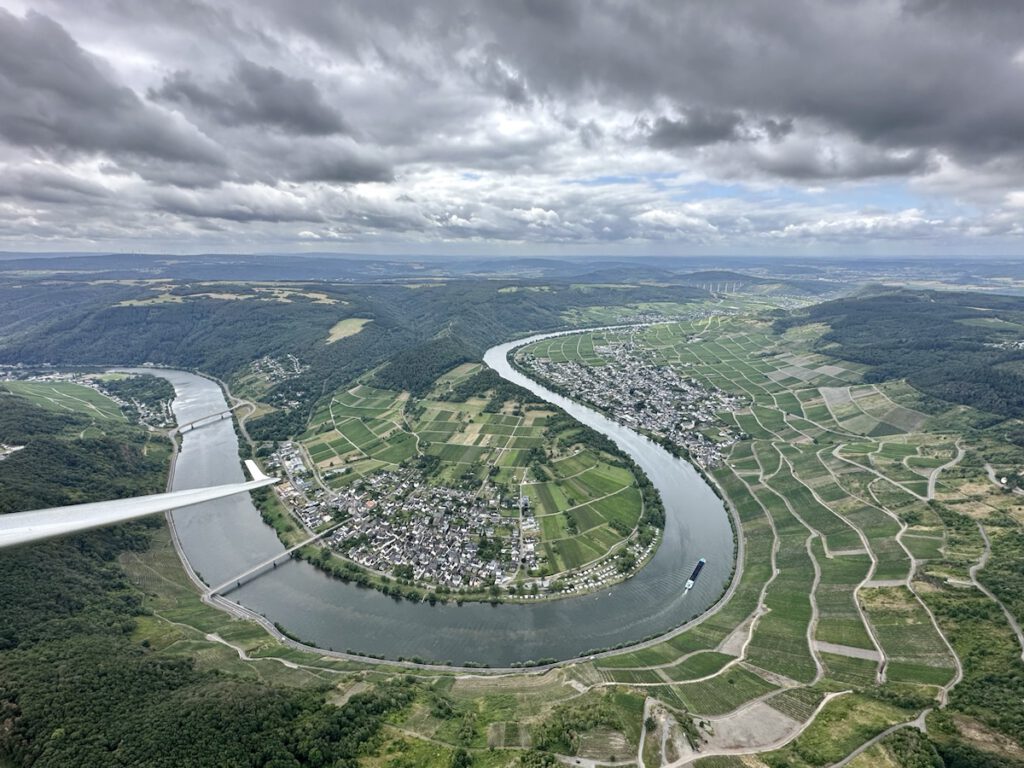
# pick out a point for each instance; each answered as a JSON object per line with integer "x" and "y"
{"x": 226, "y": 537}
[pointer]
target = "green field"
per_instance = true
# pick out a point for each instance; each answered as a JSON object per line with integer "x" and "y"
{"x": 67, "y": 397}
{"x": 832, "y": 486}
{"x": 585, "y": 504}
{"x": 358, "y": 431}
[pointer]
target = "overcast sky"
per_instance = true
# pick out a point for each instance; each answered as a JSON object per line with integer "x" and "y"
{"x": 513, "y": 126}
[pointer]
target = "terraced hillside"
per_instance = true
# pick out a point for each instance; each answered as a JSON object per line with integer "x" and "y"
{"x": 866, "y": 514}
{"x": 575, "y": 502}
{"x": 877, "y": 593}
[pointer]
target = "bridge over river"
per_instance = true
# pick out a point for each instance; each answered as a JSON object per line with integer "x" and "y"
{"x": 210, "y": 418}
{"x": 229, "y": 540}
{"x": 269, "y": 564}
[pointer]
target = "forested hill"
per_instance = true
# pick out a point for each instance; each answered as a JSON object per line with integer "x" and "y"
{"x": 60, "y": 465}
{"x": 959, "y": 347}
{"x": 417, "y": 331}
{"x": 77, "y": 689}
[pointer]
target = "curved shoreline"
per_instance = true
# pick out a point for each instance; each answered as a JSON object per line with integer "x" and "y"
{"x": 737, "y": 574}
{"x": 728, "y": 524}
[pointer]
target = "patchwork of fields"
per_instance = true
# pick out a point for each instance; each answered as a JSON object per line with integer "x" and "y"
{"x": 874, "y": 582}
{"x": 361, "y": 429}
{"x": 852, "y": 506}
{"x": 581, "y": 504}
{"x": 577, "y": 347}
{"x": 67, "y": 397}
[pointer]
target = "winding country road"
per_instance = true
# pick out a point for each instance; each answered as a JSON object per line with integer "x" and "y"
{"x": 982, "y": 562}
{"x": 918, "y": 722}
{"x": 933, "y": 477}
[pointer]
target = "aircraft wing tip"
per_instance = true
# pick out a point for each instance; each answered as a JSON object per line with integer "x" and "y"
{"x": 254, "y": 471}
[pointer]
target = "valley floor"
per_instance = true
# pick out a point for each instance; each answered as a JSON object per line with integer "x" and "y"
{"x": 864, "y": 606}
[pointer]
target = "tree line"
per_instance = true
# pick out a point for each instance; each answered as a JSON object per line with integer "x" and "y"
{"x": 956, "y": 347}
{"x": 77, "y": 689}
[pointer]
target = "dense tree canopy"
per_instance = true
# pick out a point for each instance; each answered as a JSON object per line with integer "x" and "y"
{"x": 76, "y": 689}
{"x": 147, "y": 389}
{"x": 416, "y": 334}
{"x": 946, "y": 344}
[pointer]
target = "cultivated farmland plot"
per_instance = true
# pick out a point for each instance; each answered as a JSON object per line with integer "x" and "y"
{"x": 834, "y": 475}
{"x": 67, "y": 397}
{"x": 845, "y": 550}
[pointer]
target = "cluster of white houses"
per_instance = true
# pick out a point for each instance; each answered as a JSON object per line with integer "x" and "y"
{"x": 400, "y": 524}
{"x": 396, "y": 523}
{"x": 158, "y": 415}
{"x": 275, "y": 370}
{"x": 649, "y": 396}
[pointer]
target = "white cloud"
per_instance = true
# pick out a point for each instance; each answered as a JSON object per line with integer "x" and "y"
{"x": 274, "y": 123}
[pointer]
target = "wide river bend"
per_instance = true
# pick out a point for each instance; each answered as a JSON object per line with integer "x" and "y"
{"x": 226, "y": 537}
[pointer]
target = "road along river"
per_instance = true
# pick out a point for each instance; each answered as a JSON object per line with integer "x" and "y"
{"x": 225, "y": 538}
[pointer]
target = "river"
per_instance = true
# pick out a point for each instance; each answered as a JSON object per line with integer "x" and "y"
{"x": 224, "y": 538}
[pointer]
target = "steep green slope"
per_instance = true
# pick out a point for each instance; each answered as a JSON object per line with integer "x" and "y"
{"x": 75, "y": 689}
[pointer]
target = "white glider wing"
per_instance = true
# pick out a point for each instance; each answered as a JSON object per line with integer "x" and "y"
{"x": 24, "y": 527}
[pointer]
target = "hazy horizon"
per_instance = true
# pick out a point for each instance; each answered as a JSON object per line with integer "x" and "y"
{"x": 513, "y": 128}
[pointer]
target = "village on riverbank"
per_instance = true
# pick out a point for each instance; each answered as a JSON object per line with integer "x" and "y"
{"x": 467, "y": 493}
{"x": 142, "y": 399}
{"x": 621, "y": 377}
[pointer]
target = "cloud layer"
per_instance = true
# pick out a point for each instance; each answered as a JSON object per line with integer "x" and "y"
{"x": 513, "y": 125}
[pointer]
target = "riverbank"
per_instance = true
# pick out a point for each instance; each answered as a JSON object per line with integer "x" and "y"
{"x": 346, "y": 571}
{"x": 327, "y": 614}
{"x": 571, "y": 516}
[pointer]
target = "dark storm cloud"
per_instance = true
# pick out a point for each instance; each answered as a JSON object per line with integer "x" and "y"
{"x": 49, "y": 185}
{"x": 256, "y": 95}
{"x": 809, "y": 165}
{"x": 497, "y": 77}
{"x": 157, "y": 171}
{"x": 695, "y": 128}
{"x": 236, "y": 206}
{"x": 867, "y": 68}
{"x": 54, "y": 96}
{"x": 929, "y": 73}
{"x": 504, "y": 119}
{"x": 339, "y": 167}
